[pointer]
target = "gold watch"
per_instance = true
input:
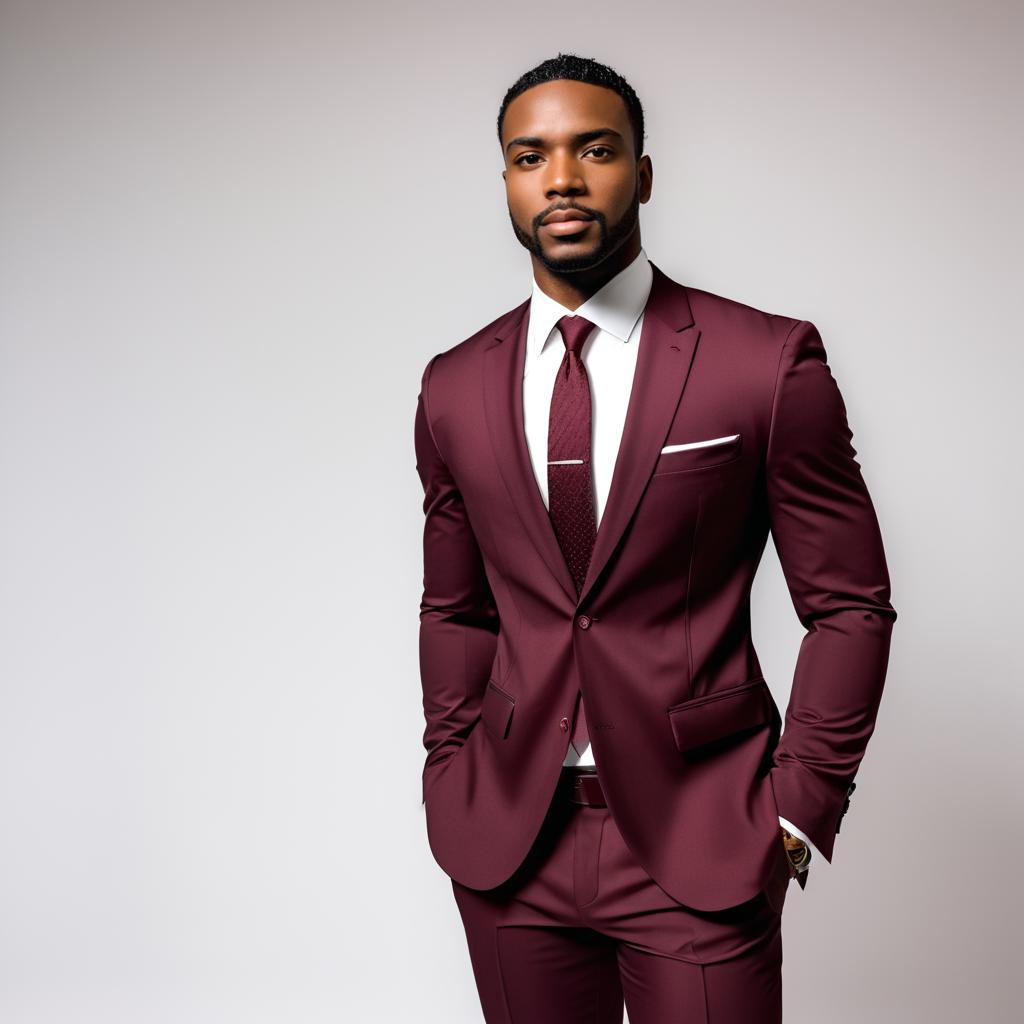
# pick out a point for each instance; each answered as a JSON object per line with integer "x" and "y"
{"x": 798, "y": 851}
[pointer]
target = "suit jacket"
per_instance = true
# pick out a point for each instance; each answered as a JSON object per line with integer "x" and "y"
{"x": 687, "y": 738}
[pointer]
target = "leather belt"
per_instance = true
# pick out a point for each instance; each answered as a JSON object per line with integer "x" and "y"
{"x": 582, "y": 786}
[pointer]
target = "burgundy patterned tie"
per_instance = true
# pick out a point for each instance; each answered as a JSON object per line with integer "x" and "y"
{"x": 570, "y": 477}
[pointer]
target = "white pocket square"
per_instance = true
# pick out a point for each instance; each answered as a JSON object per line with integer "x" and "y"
{"x": 698, "y": 444}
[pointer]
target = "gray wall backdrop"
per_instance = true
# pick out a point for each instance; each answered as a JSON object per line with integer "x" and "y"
{"x": 231, "y": 235}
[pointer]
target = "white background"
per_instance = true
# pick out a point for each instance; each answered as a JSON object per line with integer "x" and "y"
{"x": 231, "y": 236}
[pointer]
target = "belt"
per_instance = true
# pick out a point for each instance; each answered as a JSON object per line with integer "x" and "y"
{"x": 582, "y": 786}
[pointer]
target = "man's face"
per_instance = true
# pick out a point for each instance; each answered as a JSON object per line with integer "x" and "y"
{"x": 569, "y": 145}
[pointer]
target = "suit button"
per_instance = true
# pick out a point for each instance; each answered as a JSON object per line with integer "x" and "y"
{"x": 583, "y": 622}
{"x": 564, "y": 723}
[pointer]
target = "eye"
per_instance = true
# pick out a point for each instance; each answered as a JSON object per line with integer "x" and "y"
{"x": 594, "y": 149}
{"x": 519, "y": 160}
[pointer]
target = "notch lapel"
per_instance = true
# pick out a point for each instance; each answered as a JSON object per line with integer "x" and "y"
{"x": 504, "y": 360}
{"x": 668, "y": 340}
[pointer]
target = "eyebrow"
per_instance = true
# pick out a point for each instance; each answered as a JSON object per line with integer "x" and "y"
{"x": 580, "y": 137}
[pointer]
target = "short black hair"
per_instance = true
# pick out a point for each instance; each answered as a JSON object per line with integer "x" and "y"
{"x": 580, "y": 69}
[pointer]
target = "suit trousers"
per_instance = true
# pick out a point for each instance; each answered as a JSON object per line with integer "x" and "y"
{"x": 581, "y": 931}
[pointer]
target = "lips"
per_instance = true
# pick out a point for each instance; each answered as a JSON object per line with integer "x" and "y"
{"x": 567, "y": 224}
{"x": 558, "y": 216}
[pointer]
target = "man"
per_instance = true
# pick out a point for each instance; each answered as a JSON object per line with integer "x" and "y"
{"x": 607, "y": 782}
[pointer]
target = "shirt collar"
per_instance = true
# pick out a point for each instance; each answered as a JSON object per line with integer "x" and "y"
{"x": 615, "y": 307}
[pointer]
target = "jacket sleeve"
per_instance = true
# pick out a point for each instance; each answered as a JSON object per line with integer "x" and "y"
{"x": 830, "y": 548}
{"x": 458, "y": 615}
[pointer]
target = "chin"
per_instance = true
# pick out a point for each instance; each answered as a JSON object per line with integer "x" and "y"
{"x": 581, "y": 260}
{"x": 571, "y": 253}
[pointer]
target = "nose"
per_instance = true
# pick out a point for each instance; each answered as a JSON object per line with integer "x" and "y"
{"x": 564, "y": 175}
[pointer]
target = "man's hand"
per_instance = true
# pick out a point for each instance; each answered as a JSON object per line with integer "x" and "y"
{"x": 798, "y": 853}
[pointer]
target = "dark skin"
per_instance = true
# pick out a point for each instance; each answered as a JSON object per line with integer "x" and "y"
{"x": 570, "y": 144}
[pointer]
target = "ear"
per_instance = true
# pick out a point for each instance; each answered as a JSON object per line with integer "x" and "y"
{"x": 645, "y": 171}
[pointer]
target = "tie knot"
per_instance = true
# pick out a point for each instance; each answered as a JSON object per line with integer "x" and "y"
{"x": 574, "y": 330}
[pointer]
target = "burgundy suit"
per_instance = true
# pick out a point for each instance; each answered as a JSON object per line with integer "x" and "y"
{"x": 694, "y": 762}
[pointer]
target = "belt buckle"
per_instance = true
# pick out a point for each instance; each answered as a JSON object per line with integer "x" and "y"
{"x": 586, "y": 789}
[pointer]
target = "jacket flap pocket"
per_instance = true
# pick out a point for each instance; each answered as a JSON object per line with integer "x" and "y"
{"x": 716, "y": 715}
{"x": 496, "y": 709}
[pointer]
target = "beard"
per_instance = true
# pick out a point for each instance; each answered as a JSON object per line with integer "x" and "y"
{"x": 609, "y": 239}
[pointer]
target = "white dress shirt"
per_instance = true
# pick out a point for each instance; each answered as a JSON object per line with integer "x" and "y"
{"x": 609, "y": 353}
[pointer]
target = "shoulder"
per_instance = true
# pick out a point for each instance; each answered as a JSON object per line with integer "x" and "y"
{"x": 745, "y": 345}
{"x": 745, "y": 335}
{"x": 726, "y": 315}
{"x": 451, "y": 367}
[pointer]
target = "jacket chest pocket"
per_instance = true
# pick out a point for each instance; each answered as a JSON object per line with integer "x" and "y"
{"x": 687, "y": 456}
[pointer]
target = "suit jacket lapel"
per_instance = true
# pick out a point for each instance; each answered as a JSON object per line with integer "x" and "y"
{"x": 503, "y": 400}
{"x": 668, "y": 340}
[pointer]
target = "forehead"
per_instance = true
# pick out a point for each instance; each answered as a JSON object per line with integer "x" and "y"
{"x": 556, "y": 110}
